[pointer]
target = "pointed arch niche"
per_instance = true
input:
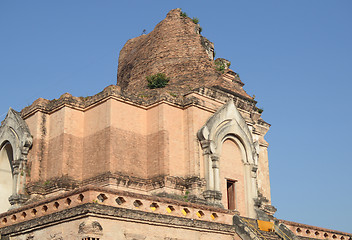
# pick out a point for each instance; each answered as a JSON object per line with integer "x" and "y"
{"x": 6, "y": 177}
{"x": 230, "y": 160}
{"x": 15, "y": 141}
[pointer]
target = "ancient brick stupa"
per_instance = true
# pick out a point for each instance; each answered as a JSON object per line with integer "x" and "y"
{"x": 175, "y": 47}
{"x": 185, "y": 159}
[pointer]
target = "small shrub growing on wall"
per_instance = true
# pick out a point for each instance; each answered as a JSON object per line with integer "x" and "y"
{"x": 183, "y": 14}
{"x": 220, "y": 66}
{"x": 158, "y": 80}
{"x": 195, "y": 20}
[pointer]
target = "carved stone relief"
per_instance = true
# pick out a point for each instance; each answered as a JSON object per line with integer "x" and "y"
{"x": 15, "y": 135}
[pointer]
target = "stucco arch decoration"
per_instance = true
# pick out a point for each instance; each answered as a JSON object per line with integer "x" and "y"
{"x": 228, "y": 123}
{"x": 14, "y": 131}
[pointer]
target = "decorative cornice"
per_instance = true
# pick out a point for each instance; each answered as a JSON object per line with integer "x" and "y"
{"x": 144, "y": 101}
{"x": 122, "y": 180}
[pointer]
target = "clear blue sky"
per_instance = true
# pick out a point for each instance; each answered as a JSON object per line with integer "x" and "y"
{"x": 295, "y": 56}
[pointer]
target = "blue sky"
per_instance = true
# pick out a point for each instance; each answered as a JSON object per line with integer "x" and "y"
{"x": 295, "y": 56}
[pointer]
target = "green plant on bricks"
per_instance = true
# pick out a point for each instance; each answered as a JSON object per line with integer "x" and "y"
{"x": 183, "y": 14}
{"x": 158, "y": 80}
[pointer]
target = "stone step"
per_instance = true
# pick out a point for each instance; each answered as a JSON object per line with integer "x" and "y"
{"x": 265, "y": 235}
{"x": 268, "y": 235}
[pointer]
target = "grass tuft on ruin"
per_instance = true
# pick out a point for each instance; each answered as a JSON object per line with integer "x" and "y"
{"x": 195, "y": 20}
{"x": 183, "y": 14}
{"x": 158, "y": 80}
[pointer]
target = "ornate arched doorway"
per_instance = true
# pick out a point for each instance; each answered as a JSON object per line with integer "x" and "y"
{"x": 229, "y": 157}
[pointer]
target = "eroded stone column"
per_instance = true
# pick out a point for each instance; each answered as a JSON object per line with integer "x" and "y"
{"x": 209, "y": 178}
{"x": 253, "y": 194}
{"x": 212, "y": 193}
{"x": 19, "y": 195}
{"x": 216, "y": 172}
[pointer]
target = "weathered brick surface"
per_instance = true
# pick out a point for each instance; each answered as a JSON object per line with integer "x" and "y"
{"x": 175, "y": 48}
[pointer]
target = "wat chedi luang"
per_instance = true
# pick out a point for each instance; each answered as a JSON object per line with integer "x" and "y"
{"x": 175, "y": 150}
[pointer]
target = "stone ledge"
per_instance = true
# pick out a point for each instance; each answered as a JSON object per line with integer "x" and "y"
{"x": 113, "y": 91}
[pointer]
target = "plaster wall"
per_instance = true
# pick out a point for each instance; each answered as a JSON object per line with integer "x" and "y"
{"x": 263, "y": 173}
{"x": 157, "y": 142}
{"x": 173, "y": 123}
{"x": 118, "y": 137}
{"x": 114, "y": 228}
{"x": 37, "y": 155}
{"x": 232, "y": 168}
{"x": 65, "y": 142}
{"x": 147, "y": 231}
{"x": 96, "y": 142}
{"x": 64, "y": 230}
{"x": 195, "y": 119}
{"x": 128, "y": 145}
{"x": 73, "y": 143}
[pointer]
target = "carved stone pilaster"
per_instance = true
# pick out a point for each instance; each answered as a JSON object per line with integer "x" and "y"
{"x": 254, "y": 171}
{"x": 216, "y": 171}
{"x": 205, "y": 144}
{"x": 16, "y": 166}
{"x": 17, "y": 200}
{"x": 213, "y": 197}
{"x": 209, "y": 175}
{"x": 215, "y": 160}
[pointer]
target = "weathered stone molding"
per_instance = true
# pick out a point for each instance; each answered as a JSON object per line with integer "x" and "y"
{"x": 14, "y": 131}
{"x": 213, "y": 197}
{"x": 118, "y": 179}
{"x": 228, "y": 123}
{"x": 113, "y": 91}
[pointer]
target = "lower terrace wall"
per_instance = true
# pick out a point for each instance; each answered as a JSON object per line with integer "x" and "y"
{"x": 102, "y": 228}
{"x": 101, "y": 213}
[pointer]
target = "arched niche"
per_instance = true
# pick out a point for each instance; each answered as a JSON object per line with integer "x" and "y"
{"x": 232, "y": 174}
{"x": 6, "y": 177}
{"x": 15, "y": 142}
{"x": 227, "y": 124}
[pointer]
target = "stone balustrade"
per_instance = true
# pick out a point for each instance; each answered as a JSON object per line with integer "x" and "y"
{"x": 115, "y": 198}
{"x": 308, "y": 231}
